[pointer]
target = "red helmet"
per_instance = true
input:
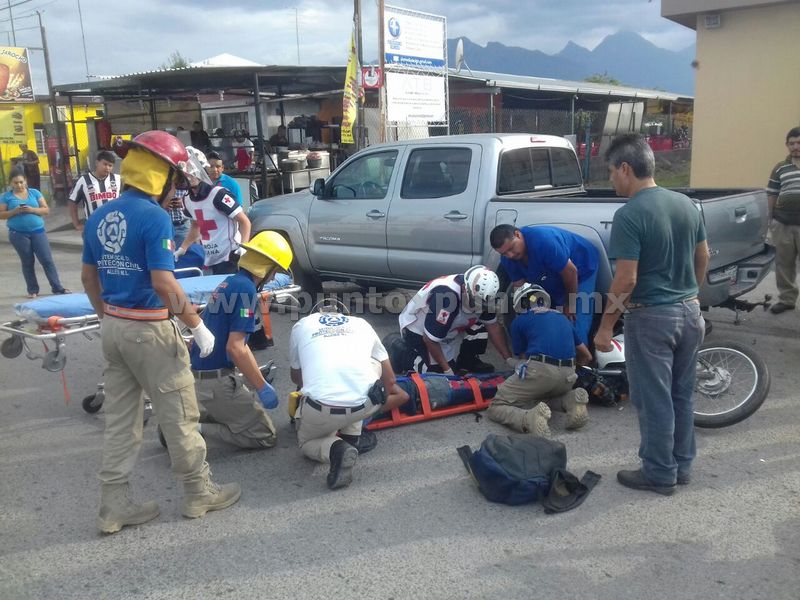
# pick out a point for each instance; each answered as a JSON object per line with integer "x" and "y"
{"x": 160, "y": 143}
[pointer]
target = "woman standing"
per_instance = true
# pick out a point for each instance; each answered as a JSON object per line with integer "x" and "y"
{"x": 24, "y": 208}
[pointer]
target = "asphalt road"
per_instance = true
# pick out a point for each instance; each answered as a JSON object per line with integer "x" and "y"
{"x": 412, "y": 524}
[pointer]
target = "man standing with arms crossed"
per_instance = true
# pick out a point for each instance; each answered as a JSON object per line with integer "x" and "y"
{"x": 783, "y": 194}
{"x": 659, "y": 242}
{"x": 127, "y": 274}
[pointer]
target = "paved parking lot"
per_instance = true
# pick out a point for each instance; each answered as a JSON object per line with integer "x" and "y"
{"x": 412, "y": 524}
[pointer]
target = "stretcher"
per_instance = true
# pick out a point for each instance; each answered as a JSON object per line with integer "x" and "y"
{"x": 432, "y": 396}
{"x": 52, "y": 320}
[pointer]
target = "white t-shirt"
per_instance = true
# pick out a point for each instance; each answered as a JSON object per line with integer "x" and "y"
{"x": 334, "y": 352}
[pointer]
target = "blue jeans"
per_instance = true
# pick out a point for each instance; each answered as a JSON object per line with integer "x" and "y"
{"x": 30, "y": 246}
{"x": 661, "y": 344}
{"x": 180, "y": 232}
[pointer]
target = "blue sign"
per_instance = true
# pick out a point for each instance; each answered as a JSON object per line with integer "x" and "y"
{"x": 394, "y": 27}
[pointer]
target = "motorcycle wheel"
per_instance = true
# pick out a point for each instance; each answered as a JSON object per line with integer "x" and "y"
{"x": 732, "y": 383}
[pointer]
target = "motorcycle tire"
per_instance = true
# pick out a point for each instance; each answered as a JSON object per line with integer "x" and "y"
{"x": 732, "y": 383}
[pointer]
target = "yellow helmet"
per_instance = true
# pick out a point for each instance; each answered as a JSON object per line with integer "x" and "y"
{"x": 269, "y": 245}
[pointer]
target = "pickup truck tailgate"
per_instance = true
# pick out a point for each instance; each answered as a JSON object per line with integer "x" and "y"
{"x": 736, "y": 226}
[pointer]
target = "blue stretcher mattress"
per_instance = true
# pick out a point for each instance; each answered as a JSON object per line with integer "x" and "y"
{"x": 197, "y": 289}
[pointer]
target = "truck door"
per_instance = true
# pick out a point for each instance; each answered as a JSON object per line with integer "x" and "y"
{"x": 429, "y": 231}
{"x": 347, "y": 225}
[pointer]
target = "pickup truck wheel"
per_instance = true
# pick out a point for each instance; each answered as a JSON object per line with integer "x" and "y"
{"x": 506, "y": 314}
{"x": 311, "y": 288}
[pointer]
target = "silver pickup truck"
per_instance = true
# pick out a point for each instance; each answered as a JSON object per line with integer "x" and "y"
{"x": 403, "y": 213}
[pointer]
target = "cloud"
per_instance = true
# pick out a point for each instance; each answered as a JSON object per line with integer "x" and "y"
{"x": 125, "y": 37}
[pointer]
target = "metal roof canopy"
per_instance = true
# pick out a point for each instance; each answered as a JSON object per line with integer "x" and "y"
{"x": 161, "y": 84}
{"x": 561, "y": 86}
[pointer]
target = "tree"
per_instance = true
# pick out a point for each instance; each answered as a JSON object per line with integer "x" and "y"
{"x": 602, "y": 78}
{"x": 176, "y": 61}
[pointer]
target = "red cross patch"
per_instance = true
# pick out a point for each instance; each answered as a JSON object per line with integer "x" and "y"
{"x": 205, "y": 226}
{"x": 442, "y": 316}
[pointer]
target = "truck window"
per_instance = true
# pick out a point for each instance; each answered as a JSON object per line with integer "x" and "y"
{"x": 523, "y": 170}
{"x": 365, "y": 177}
{"x": 436, "y": 172}
{"x": 566, "y": 171}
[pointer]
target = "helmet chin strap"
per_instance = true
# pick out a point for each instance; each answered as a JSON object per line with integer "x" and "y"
{"x": 167, "y": 185}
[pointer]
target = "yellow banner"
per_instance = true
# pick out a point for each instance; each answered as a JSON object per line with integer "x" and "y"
{"x": 351, "y": 93}
{"x": 12, "y": 125}
{"x": 15, "y": 75}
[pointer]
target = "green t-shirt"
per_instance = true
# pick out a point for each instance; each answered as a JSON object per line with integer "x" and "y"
{"x": 660, "y": 229}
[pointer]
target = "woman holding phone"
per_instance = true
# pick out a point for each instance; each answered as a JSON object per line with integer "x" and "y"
{"x": 24, "y": 208}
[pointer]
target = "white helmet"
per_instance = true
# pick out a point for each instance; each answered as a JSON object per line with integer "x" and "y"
{"x": 481, "y": 283}
{"x": 615, "y": 355}
{"x": 196, "y": 165}
{"x": 535, "y": 294}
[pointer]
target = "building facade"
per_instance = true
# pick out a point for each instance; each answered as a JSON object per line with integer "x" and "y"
{"x": 747, "y": 90}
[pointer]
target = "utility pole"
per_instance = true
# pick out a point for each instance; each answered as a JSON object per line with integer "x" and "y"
{"x": 382, "y": 64}
{"x": 297, "y": 33}
{"x": 361, "y": 141}
{"x": 11, "y": 18}
{"x": 83, "y": 39}
{"x": 53, "y": 107}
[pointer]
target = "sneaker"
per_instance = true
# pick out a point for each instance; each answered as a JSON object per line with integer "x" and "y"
{"x": 780, "y": 307}
{"x": 343, "y": 457}
{"x": 535, "y": 420}
{"x": 637, "y": 481}
{"x": 63, "y": 291}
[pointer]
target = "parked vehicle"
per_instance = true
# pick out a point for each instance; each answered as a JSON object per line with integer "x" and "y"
{"x": 403, "y": 213}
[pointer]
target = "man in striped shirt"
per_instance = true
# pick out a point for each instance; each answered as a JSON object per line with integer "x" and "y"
{"x": 94, "y": 189}
{"x": 783, "y": 193}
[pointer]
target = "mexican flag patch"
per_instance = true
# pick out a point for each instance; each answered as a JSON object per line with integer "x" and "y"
{"x": 245, "y": 312}
{"x": 168, "y": 245}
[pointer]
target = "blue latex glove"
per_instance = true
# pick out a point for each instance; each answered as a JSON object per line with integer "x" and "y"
{"x": 268, "y": 397}
{"x": 522, "y": 370}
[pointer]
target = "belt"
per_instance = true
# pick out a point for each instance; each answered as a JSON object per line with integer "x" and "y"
{"x": 556, "y": 362}
{"x": 637, "y": 305}
{"x": 136, "y": 314}
{"x": 334, "y": 410}
{"x": 213, "y": 373}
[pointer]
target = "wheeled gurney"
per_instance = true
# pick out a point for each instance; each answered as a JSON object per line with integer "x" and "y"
{"x": 51, "y": 320}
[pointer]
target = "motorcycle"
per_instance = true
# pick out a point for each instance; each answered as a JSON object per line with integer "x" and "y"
{"x": 732, "y": 380}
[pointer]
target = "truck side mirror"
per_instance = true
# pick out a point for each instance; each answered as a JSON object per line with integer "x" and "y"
{"x": 318, "y": 189}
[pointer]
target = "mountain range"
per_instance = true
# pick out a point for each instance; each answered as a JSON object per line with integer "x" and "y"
{"x": 624, "y": 56}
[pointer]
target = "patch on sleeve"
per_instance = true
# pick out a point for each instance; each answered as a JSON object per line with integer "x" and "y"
{"x": 168, "y": 245}
{"x": 228, "y": 201}
{"x": 442, "y": 316}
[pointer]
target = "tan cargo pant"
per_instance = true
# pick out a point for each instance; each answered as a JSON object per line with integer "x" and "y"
{"x": 149, "y": 356}
{"x": 231, "y": 413}
{"x": 317, "y": 430}
{"x": 787, "y": 247}
{"x": 543, "y": 383}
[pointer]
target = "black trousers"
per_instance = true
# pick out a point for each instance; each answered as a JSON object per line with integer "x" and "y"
{"x": 474, "y": 344}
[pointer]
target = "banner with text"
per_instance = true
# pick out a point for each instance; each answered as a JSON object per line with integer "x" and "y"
{"x": 352, "y": 93}
{"x": 12, "y": 125}
{"x": 413, "y": 39}
{"x": 15, "y": 75}
{"x": 415, "y": 98}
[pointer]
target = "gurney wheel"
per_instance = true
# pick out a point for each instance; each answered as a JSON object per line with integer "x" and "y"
{"x": 11, "y": 347}
{"x": 91, "y": 404}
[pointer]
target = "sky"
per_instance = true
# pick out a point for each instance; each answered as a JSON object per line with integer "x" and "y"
{"x": 128, "y": 36}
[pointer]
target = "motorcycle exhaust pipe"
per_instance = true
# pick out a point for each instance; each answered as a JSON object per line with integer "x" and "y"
{"x": 609, "y": 372}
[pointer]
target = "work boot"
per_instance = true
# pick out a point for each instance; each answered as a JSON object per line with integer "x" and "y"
{"x": 363, "y": 443}
{"x": 205, "y": 495}
{"x": 535, "y": 420}
{"x": 473, "y": 364}
{"x": 780, "y": 307}
{"x": 343, "y": 457}
{"x": 117, "y": 510}
{"x": 576, "y": 409}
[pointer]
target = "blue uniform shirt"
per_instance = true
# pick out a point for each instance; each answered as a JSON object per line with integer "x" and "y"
{"x": 549, "y": 249}
{"x": 229, "y": 183}
{"x": 231, "y": 308}
{"x": 126, "y": 239}
{"x": 543, "y": 331}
